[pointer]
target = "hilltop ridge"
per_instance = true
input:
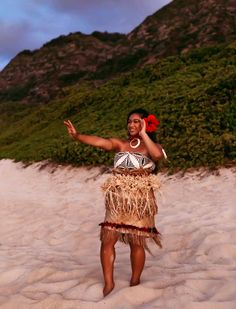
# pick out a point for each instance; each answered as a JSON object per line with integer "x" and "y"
{"x": 176, "y": 28}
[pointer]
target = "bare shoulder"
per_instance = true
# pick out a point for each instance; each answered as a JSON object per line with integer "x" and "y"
{"x": 159, "y": 146}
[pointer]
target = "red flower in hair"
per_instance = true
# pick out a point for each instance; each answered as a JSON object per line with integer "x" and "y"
{"x": 151, "y": 123}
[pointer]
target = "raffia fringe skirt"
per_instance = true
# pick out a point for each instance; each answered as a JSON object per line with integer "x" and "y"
{"x": 130, "y": 208}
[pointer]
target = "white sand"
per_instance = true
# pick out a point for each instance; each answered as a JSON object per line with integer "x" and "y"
{"x": 49, "y": 246}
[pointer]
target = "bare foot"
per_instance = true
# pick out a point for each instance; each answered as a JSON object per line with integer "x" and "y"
{"x": 133, "y": 282}
{"x": 107, "y": 289}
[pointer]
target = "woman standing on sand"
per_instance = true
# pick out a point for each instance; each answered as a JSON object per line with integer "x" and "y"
{"x": 129, "y": 197}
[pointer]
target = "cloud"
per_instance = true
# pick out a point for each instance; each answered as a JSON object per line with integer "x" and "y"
{"x": 81, "y": 6}
{"x": 14, "y": 37}
{"x": 106, "y": 15}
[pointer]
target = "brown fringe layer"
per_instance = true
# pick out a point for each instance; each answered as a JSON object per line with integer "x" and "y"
{"x": 130, "y": 227}
{"x": 107, "y": 234}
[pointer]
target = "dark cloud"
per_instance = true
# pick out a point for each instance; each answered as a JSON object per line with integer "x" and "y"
{"x": 19, "y": 36}
{"x": 81, "y": 6}
{"x": 107, "y": 15}
{"x": 14, "y": 37}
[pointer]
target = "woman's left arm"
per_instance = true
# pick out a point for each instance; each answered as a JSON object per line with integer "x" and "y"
{"x": 155, "y": 150}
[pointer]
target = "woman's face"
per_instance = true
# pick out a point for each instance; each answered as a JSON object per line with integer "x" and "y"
{"x": 134, "y": 124}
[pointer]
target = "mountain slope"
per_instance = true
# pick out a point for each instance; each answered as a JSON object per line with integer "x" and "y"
{"x": 185, "y": 25}
{"x": 61, "y": 61}
{"x": 177, "y": 28}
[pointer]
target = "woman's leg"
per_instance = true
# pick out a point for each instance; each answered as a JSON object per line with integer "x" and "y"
{"x": 137, "y": 257}
{"x": 108, "y": 256}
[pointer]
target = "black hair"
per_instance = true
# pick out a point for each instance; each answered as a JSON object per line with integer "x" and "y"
{"x": 143, "y": 113}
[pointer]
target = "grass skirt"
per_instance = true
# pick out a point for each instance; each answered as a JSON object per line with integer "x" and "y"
{"x": 130, "y": 207}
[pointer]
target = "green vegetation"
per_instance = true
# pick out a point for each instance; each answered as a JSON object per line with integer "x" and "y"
{"x": 17, "y": 93}
{"x": 62, "y": 40}
{"x": 109, "y": 37}
{"x": 78, "y": 37}
{"x": 119, "y": 64}
{"x": 68, "y": 79}
{"x": 193, "y": 96}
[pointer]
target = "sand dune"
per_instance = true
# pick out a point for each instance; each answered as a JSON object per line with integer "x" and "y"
{"x": 49, "y": 247}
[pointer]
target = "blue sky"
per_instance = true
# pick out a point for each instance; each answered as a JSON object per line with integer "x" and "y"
{"x": 28, "y": 24}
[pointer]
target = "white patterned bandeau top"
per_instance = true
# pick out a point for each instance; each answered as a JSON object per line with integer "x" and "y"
{"x": 132, "y": 160}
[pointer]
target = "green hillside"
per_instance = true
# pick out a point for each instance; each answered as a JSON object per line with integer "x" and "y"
{"x": 192, "y": 95}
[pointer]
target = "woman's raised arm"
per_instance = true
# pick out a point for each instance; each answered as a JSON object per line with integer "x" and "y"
{"x": 107, "y": 144}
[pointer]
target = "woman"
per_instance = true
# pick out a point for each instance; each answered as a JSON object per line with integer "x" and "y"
{"x": 129, "y": 197}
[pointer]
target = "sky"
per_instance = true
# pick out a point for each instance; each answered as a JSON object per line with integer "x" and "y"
{"x": 28, "y": 24}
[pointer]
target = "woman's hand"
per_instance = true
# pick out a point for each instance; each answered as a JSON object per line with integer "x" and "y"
{"x": 71, "y": 129}
{"x": 143, "y": 127}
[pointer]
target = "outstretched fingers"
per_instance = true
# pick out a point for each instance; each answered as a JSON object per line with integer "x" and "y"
{"x": 68, "y": 123}
{"x": 71, "y": 129}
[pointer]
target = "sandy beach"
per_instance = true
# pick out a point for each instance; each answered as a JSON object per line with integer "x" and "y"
{"x": 49, "y": 246}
